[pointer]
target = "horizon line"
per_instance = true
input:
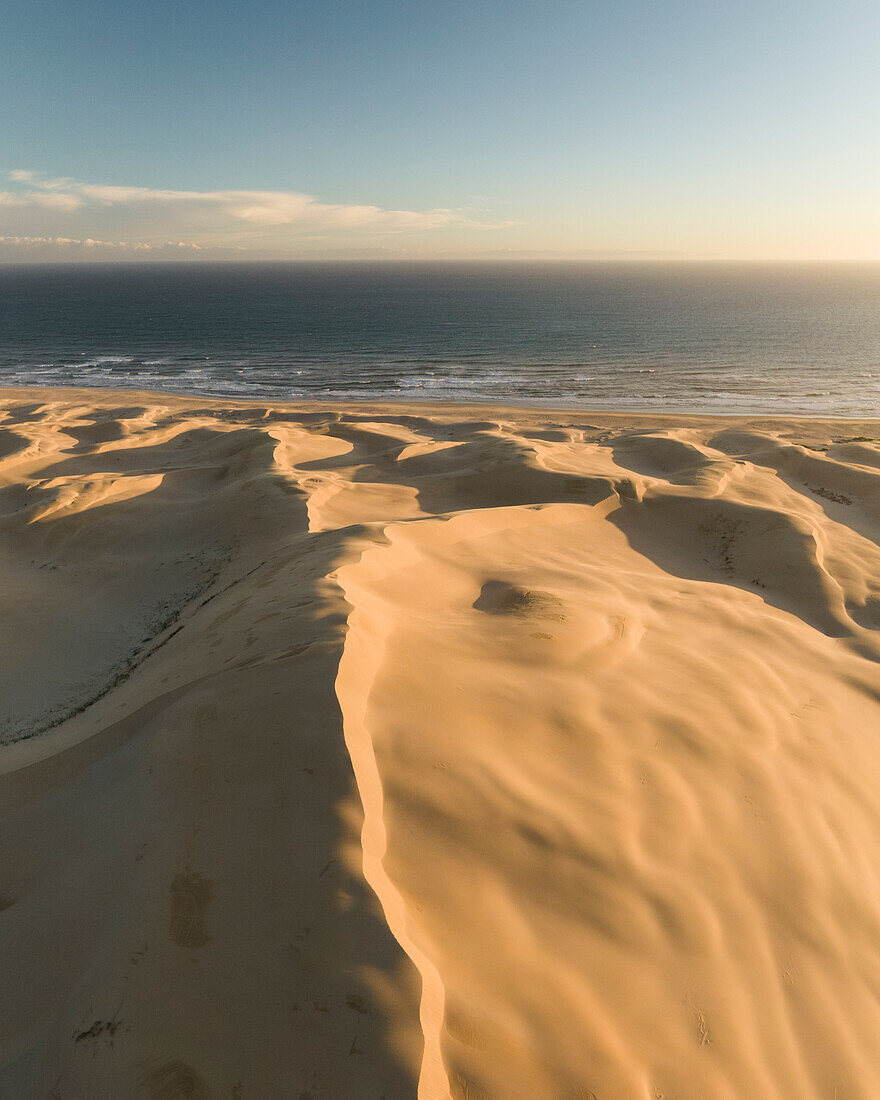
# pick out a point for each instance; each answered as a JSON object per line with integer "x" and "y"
{"x": 369, "y": 256}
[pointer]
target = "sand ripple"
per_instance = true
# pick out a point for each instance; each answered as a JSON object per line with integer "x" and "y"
{"x": 437, "y": 752}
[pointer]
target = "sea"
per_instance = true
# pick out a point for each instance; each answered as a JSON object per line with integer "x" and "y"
{"x": 734, "y": 338}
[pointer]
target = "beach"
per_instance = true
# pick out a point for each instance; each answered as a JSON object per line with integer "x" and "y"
{"x": 429, "y": 751}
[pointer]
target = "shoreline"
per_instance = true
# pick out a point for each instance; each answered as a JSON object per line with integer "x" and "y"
{"x": 426, "y": 408}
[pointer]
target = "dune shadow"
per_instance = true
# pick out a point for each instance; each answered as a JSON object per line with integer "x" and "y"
{"x": 761, "y": 551}
{"x": 209, "y": 811}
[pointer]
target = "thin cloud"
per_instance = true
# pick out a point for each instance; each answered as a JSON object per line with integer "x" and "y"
{"x": 259, "y": 208}
{"x": 83, "y": 248}
{"x": 89, "y": 242}
{"x": 56, "y": 200}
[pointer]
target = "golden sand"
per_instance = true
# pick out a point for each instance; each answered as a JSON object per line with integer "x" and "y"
{"x": 436, "y": 751}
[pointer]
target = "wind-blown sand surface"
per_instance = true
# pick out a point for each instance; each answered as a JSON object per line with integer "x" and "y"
{"x": 431, "y": 751}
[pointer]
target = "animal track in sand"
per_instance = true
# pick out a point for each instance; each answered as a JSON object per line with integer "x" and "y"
{"x": 173, "y": 1081}
{"x": 191, "y": 895}
{"x": 828, "y": 494}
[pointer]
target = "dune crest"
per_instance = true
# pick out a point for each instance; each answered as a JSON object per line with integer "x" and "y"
{"x": 436, "y": 752}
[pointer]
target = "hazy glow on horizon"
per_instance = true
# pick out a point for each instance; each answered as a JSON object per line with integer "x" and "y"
{"x": 282, "y": 129}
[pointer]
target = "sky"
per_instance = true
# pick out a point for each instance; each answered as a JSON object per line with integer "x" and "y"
{"x": 627, "y": 129}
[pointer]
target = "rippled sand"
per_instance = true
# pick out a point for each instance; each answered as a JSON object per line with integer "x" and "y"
{"x": 416, "y": 751}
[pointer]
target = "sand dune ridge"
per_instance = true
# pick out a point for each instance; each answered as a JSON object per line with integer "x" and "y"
{"x": 436, "y": 751}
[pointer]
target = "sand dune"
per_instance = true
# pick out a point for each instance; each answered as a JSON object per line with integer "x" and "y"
{"x": 436, "y": 752}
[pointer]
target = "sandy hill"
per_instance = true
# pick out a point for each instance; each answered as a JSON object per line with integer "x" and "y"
{"x": 436, "y": 752}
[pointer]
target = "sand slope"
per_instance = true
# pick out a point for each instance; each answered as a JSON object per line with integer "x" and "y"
{"x": 436, "y": 752}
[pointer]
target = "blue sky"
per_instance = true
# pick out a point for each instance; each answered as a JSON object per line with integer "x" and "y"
{"x": 685, "y": 129}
